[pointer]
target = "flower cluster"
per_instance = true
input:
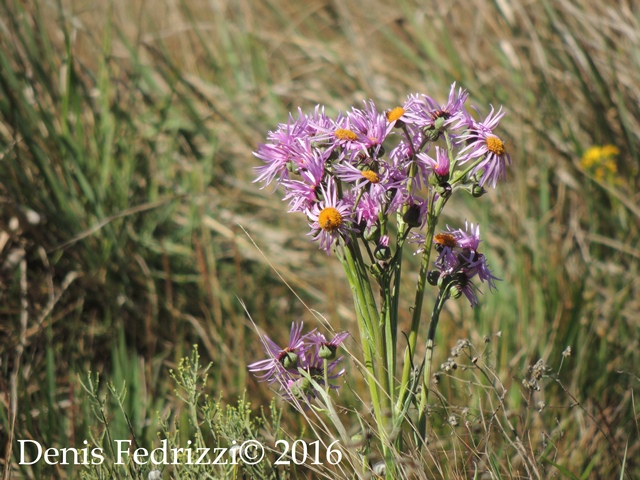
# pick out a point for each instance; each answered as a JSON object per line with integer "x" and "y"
{"x": 601, "y": 161}
{"x": 338, "y": 172}
{"x": 309, "y": 356}
{"x": 459, "y": 261}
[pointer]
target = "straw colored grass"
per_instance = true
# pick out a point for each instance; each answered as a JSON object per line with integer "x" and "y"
{"x": 126, "y": 132}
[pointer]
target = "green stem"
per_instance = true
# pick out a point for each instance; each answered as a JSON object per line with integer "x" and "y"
{"x": 370, "y": 335}
{"x": 325, "y": 365}
{"x": 434, "y": 213}
{"x": 390, "y": 316}
{"x": 392, "y": 287}
{"x": 443, "y": 296}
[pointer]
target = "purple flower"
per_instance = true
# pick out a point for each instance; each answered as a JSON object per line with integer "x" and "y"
{"x": 330, "y": 218}
{"x": 326, "y": 349}
{"x": 439, "y": 166}
{"x": 425, "y": 113}
{"x": 419, "y": 239}
{"x": 382, "y": 251}
{"x": 304, "y": 357}
{"x": 372, "y": 126}
{"x": 483, "y": 144}
{"x": 282, "y": 362}
{"x": 350, "y": 174}
{"x": 340, "y": 135}
{"x": 321, "y": 351}
{"x": 402, "y": 154}
{"x": 282, "y": 148}
{"x": 302, "y": 194}
{"x": 475, "y": 263}
{"x": 469, "y": 238}
{"x": 368, "y": 208}
{"x": 460, "y": 261}
{"x": 337, "y": 172}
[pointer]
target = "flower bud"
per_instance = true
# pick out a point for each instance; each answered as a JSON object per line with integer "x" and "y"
{"x": 459, "y": 281}
{"x": 477, "y": 191}
{"x": 382, "y": 253}
{"x": 444, "y": 190}
{"x": 301, "y": 388}
{"x": 432, "y": 134}
{"x": 455, "y": 291}
{"x": 327, "y": 351}
{"x": 443, "y": 178}
{"x": 412, "y": 216}
{"x": 432, "y": 277}
{"x": 376, "y": 270}
{"x": 376, "y": 151}
{"x": 372, "y": 233}
{"x": 456, "y": 176}
{"x": 289, "y": 360}
{"x": 359, "y": 442}
{"x": 292, "y": 166}
{"x": 438, "y": 124}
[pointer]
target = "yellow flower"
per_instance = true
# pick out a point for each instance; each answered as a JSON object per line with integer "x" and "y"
{"x": 600, "y": 161}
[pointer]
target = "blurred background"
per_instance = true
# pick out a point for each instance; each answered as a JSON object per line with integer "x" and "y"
{"x": 130, "y": 228}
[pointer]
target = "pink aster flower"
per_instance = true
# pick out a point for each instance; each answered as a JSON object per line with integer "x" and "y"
{"x": 372, "y": 126}
{"x": 368, "y": 208}
{"x": 439, "y": 166}
{"x": 326, "y": 348}
{"x": 283, "y": 146}
{"x": 339, "y": 135}
{"x": 330, "y": 218}
{"x": 419, "y": 239}
{"x": 320, "y": 350}
{"x": 460, "y": 261}
{"x": 302, "y": 194}
{"x": 484, "y": 145}
{"x": 468, "y": 241}
{"x": 425, "y": 113}
{"x": 316, "y": 121}
{"x": 282, "y": 362}
{"x": 469, "y": 238}
{"x": 304, "y": 357}
{"x": 402, "y": 154}
{"x": 350, "y": 174}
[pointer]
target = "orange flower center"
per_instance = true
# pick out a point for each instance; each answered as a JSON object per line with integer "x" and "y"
{"x": 370, "y": 175}
{"x": 394, "y": 114}
{"x": 445, "y": 239}
{"x": 495, "y": 145}
{"x": 345, "y": 134}
{"x": 329, "y": 219}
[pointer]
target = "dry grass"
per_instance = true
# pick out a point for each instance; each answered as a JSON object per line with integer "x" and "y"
{"x": 164, "y": 106}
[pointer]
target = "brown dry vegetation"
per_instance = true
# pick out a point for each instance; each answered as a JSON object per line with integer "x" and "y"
{"x": 128, "y": 127}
